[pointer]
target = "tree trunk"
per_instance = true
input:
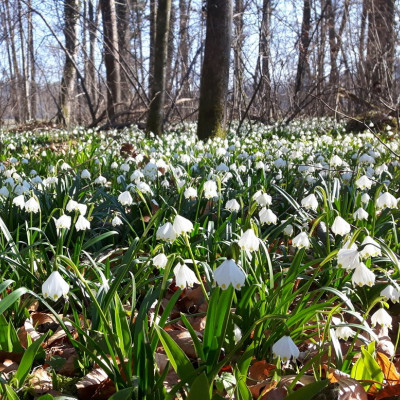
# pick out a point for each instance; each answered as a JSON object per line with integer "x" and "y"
{"x": 32, "y": 63}
{"x": 380, "y": 50}
{"x": 152, "y": 42}
{"x": 111, "y": 56}
{"x": 215, "y": 71}
{"x": 184, "y": 46}
{"x": 155, "y": 117}
{"x": 238, "y": 92}
{"x": 68, "y": 82}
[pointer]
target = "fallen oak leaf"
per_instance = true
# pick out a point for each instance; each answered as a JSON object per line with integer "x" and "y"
{"x": 388, "y": 391}
{"x": 388, "y": 369}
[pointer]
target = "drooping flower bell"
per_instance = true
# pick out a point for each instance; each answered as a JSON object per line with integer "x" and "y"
{"x": 267, "y": 216}
{"x": 166, "y": 232}
{"x": 363, "y": 276}
{"x": 249, "y": 241}
{"x": 55, "y": 286}
{"x": 82, "y": 224}
{"x": 340, "y": 226}
{"x": 344, "y": 332}
{"x": 232, "y": 205}
{"x": 184, "y": 276}
{"x": 386, "y": 200}
{"x": 228, "y": 273}
{"x": 19, "y": 201}
{"x": 348, "y": 258}
{"x": 160, "y": 260}
{"x": 391, "y": 293}
{"x": 371, "y": 248}
{"x": 64, "y": 222}
{"x": 182, "y": 225}
{"x": 285, "y": 348}
{"x": 382, "y": 318}
{"x": 310, "y": 202}
{"x": 301, "y": 240}
{"x": 125, "y": 198}
{"x": 363, "y": 182}
{"x": 360, "y": 214}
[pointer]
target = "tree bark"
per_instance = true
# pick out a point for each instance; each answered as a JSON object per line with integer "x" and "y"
{"x": 111, "y": 56}
{"x": 157, "y": 98}
{"x": 184, "y": 46}
{"x": 68, "y": 82}
{"x": 215, "y": 71}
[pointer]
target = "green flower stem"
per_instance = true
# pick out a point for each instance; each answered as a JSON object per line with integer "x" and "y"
{"x": 196, "y": 269}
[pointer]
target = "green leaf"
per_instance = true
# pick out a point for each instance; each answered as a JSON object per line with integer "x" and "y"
{"x": 366, "y": 368}
{"x": 27, "y": 361}
{"x": 179, "y": 360}
{"x": 46, "y": 397}
{"x": 200, "y": 389}
{"x": 122, "y": 394}
{"x": 11, "y": 395}
{"x": 98, "y": 238}
{"x": 11, "y": 298}
{"x": 308, "y": 391}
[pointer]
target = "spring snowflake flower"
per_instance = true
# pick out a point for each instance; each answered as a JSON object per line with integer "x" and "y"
{"x": 124, "y": 167}
{"x": 232, "y": 205}
{"x": 301, "y": 240}
{"x": 182, "y": 225}
{"x": 210, "y": 189}
{"x": 160, "y": 260}
{"x": 263, "y": 200}
{"x": 310, "y": 202}
{"x": 365, "y": 198}
{"x": 363, "y": 276}
{"x": 386, "y": 200}
{"x": 116, "y": 221}
{"x": 82, "y": 224}
{"x": 382, "y": 318}
{"x": 285, "y": 348}
{"x": 125, "y": 198}
{"x": 348, "y": 258}
{"x": 71, "y": 205}
{"x": 267, "y": 216}
{"x": 340, "y": 226}
{"x": 32, "y": 206}
{"x": 360, "y": 214}
{"x": 4, "y": 192}
{"x": 363, "y": 182}
{"x": 344, "y": 332}
{"x": 64, "y": 222}
{"x": 184, "y": 276}
{"x": 391, "y": 293}
{"x": 166, "y": 232}
{"x": 55, "y": 286}
{"x": 100, "y": 180}
{"x": 190, "y": 193}
{"x": 85, "y": 174}
{"x": 228, "y": 273}
{"x": 249, "y": 241}
{"x": 288, "y": 230}
{"x": 371, "y": 248}
{"x": 19, "y": 201}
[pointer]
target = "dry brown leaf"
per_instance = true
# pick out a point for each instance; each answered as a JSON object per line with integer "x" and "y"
{"x": 90, "y": 383}
{"x": 68, "y": 369}
{"x": 392, "y": 391}
{"x": 388, "y": 369}
{"x": 275, "y": 394}
{"x": 184, "y": 341}
{"x": 41, "y": 381}
{"x": 8, "y": 366}
{"x": 260, "y": 370}
{"x": 346, "y": 387}
{"x": 28, "y": 329}
{"x": 105, "y": 390}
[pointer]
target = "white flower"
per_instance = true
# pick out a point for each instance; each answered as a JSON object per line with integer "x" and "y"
{"x": 210, "y": 189}
{"x": 386, "y": 200}
{"x": 160, "y": 260}
{"x": 85, "y": 174}
{"x": 125, "y": 198}
{"x": 344, "y": 332}
{"x": 166, "y": 232}
{"x": 348, "y": 258}
{"x": 19, "y": 201}
{"x": 232, "y": 205}
{"x": 82, "y": 208}
{"x": 301, "y": 240}
{"x": 71, "y": 205}
{"x": 249, "y": 241}
{"x": 228, "y": 273}
{"x": 32, "y": 205}
{"x": 65, "y": 166}
{"x": 100, "y": 180}
{"x": 363, "y": 276}
{"x": 55, "y": 286}
{"x": 382, "y": 318}
{"x": 190, "y": 193}
{"x": 182, "y": 225}
{"x": 285, "y": 348}
{"x": 64, "y": 222}
{"x": 124, "y": 167}
{"x": 310, "y": 202}
{"x": 82, "y": 223}
{"x": 340, "y": 226}
{"x": 4, "y": 192}
{"x": 360, "y": 214}
{"x": 371, "y": 248}
{"x": 365, "y": 198}
{"x": 336, "y": 161}
{"x": 116, "y": 221}
{"x": 391, "y": 293}
{"x": 184, "y": 276}
{"x": 363, "y": 182}
{"x": 288, "y": 230}
{"x": 267, "y": 216}
{"x": 264, "y": 200}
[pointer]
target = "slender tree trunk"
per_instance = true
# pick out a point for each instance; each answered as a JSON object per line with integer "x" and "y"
{"x": 238, "y": 58}
{"x": 25, "y": 89}
{"x": 171, "y": 65}
{"x": 111, "y": 56}
{"x": 68, "y": 82}
{"x": 152, "y": 42}
{"x": 155, "y": 117}
{"x": 215, "y": 71}
{"x": 32, "y": 63}
{"x": 184, "y": 45}
{"x": 304, "y": 44}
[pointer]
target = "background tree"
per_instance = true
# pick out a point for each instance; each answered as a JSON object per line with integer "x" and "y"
{"x": 215, "y": 71}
